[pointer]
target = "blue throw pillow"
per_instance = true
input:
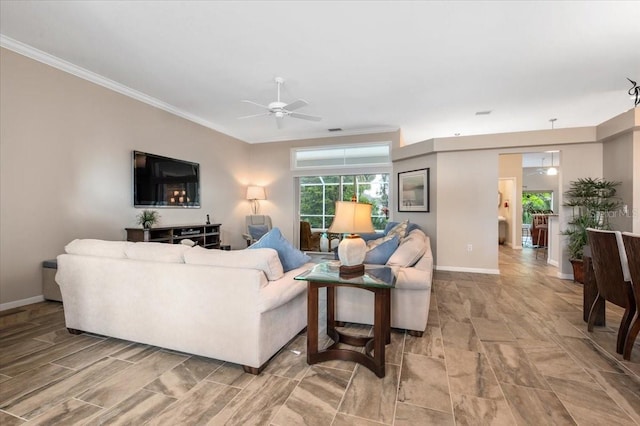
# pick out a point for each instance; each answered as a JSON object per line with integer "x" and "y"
{"x": 382, "y": 252}
{"x": 257, "y": 231}
{"x": 370, "y": 236}
{"x": 290, "y": 257}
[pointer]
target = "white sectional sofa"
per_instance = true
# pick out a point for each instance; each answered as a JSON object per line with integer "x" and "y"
{"x": 236, "y": 306}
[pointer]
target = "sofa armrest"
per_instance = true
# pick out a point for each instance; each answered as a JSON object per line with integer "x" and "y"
{"x": 277, "y": 293}
{"x": 412, "y": 279}
{"x": 425, "y": 263}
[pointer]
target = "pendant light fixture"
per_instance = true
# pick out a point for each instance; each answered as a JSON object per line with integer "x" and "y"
{"x": 552, "y": 171}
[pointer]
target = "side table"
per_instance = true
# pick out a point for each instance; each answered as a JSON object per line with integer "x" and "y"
{"x": 380, "y": 281}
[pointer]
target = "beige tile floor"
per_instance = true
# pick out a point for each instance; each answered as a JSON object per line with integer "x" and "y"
{"x": 508, "y": 349}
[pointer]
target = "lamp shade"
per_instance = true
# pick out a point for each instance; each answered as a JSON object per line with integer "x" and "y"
{"x": 352, "y": 218}
{"x": 256, "y": 193}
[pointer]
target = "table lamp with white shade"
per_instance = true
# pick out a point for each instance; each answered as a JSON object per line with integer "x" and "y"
{"x": 352, "y": 218}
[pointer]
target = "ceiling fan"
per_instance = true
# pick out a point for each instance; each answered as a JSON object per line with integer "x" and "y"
{"x": 281, "y": 109}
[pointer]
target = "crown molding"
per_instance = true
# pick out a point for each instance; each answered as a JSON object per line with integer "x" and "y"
{"x": 48, "y": 59}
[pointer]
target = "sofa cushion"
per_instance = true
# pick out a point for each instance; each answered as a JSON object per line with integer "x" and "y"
{"x": 379, "y": 254}
{"x": 257, "y": 231}
{"x": 290, "y": 257}
{"x": 410, "y": 249}
{"x": 265, "y": 260}
{"x": 157, "y": 252}
{"x": 98, "y": 248}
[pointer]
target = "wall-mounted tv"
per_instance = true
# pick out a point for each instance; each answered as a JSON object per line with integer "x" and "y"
{"x": 165, "y": 182}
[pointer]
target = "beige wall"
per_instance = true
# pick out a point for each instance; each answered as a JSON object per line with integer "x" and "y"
{"x": 617, "y": 157}
{"x": 65, "y": 152}
{"x": 467, "y": 184}
{"x": 427, "y": 221}
{"x": 466, "y": 193}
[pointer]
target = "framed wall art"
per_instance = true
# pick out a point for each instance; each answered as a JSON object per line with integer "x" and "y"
{"x": 413, "y": 191}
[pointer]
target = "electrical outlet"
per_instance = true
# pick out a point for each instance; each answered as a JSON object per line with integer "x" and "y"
{"x": 469, "y": 247}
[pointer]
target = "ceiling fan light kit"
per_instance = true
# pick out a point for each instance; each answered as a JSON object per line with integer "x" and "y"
{"x": 280, "y": 109}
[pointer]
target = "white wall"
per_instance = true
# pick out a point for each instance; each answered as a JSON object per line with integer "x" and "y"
{"x": 66, "y": 168}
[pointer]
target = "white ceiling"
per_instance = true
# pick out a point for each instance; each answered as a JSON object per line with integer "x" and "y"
{"x": 423, "y": 67}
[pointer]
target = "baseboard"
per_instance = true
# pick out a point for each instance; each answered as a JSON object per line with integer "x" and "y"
{"x": 18, "y": 303}
{"x": 564, "y": 276}
{"x": 470, "y": 270}
{"x": 553, "y": 263}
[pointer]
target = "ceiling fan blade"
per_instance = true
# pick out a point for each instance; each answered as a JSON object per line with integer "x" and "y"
{"x": 279, "y": 122}
{"x": 305, "y": 116}
{"x": 256, "y": 104}
{"x": 253, "y": 115}
{"x": 296, "y": 104}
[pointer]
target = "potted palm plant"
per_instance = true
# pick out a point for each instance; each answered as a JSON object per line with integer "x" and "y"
{"x": 592, "y": 201}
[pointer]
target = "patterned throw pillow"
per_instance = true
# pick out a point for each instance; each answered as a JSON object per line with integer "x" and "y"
{"x": 382, "y": 252}
{"x": 400, "y": 230}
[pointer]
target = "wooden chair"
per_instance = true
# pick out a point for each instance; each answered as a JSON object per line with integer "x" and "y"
{"x": 309, "y": 241}
{"x": 632, "y": 250}
{"x": 612, "y": 279}
{"x": 539, "y": 232}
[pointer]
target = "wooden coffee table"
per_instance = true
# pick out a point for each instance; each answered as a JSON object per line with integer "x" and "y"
{"x": 377, "y": 279}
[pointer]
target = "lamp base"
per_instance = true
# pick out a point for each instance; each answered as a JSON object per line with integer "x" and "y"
{"x": 352, "y": 271}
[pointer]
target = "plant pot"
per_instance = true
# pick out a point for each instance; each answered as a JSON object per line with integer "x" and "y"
{"x": 578, "y": 270}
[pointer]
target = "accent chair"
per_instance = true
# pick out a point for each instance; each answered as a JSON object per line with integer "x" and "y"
{"x": 256, "y": 225}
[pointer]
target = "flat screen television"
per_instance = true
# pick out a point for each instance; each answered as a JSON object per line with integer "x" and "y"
{"x": 165, "y": 182}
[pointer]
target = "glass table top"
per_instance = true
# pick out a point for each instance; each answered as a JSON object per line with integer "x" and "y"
{"x": 374, "y": 275}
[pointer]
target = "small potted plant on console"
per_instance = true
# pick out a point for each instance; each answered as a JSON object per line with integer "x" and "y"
{"x": 148, "y": 218}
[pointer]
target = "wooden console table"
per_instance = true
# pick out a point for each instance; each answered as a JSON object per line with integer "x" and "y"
{"x": 207, "y": 236}
{"x": 378, "y": 280}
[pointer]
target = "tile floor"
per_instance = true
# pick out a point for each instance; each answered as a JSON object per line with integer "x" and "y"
{"x": 503, "y": 350}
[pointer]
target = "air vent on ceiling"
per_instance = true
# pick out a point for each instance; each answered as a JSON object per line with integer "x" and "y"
{"x": 487, "y": 112}
{"x": 335, "y": 129}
